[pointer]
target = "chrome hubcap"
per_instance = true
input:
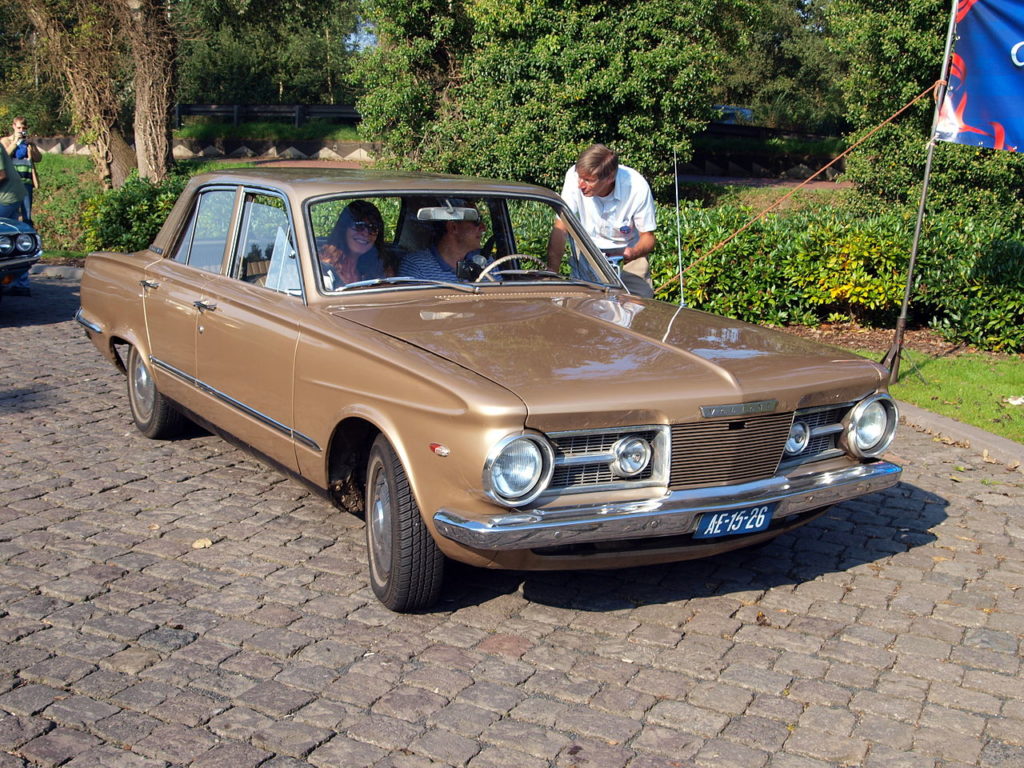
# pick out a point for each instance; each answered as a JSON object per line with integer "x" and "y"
{"x": 380, "y": 526}
{"x": 143, "y": 390}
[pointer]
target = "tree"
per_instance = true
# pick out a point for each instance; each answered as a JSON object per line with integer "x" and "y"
{"x": 96, "y": 49}
{"x": 26, "y": 89}
{"x": 81, "y": 46}
{"x": 153, "y": 49}
{"x": 785, "y": 70}
{"x": 265, "y": 51}
{"x": 407, "y": 76}
{"x": 517, "y": 89}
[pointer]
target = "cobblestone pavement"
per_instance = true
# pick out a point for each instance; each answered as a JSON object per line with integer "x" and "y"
{"x": 180, "y": 603}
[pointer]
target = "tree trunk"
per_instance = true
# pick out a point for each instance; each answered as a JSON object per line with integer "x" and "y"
{"x": 152, "y": 49}
{"x": 123, "y": 159}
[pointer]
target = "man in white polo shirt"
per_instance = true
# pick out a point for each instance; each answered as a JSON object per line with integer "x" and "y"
{"x": 615, "y": 206}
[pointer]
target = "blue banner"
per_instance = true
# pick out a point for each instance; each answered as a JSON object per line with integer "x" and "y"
{"x": 984, "y": 104}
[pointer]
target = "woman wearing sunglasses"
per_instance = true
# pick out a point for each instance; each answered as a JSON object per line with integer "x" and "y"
{"x": 353, "y": 250}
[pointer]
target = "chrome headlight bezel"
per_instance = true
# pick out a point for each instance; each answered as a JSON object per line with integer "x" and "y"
{"x": 6, "y": 245}
{"x": 621, "y": 467}
{"x": 798, "y": 439}
{"x": 25, "y": 243}
{"x": 871, "y": 426}
{"x": 540, "y": 475}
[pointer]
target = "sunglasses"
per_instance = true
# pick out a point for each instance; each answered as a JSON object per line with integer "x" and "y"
{"x": 365, "y": 226}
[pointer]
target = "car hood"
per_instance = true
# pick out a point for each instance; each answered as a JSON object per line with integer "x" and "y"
{"x": 13, "y": 227}
{"x": 646, "y": 360}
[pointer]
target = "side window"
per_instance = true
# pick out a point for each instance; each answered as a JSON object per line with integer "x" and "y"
{"x": 206, "y": 236}
{"x": 266, "y": 253}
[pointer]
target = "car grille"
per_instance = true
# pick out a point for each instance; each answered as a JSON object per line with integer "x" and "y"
{"x": 703, "y": 453}
{"x": 727, "y": 452}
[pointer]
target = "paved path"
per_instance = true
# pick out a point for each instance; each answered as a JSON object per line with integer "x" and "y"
{"x": 182, "y": 604}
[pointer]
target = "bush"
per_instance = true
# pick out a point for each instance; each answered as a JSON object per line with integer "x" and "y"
{"x": 129, "y": 217}
{"x": 972, "y": 280}
{"x": 820, "y": 264}
{"x": 66, "y": 183}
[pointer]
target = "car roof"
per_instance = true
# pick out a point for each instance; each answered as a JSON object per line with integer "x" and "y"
{"x": 304, "y": 182}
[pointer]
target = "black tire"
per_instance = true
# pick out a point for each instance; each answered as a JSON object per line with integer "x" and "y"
{"x": 406, "y": 567}
{"x": 153, "y": 414}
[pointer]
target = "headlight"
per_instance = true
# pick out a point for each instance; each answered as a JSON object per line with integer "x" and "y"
{"x": 799, "y": 438}
{"x": 632, "y": 455}
{"x": 25, "y": 243}
{"x": 871, "y": 426}
{"x": 6, "y": 245}
{"x": 518, "y": 469}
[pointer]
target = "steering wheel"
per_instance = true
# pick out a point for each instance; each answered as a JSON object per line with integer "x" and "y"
{"x": 490, "y": 267}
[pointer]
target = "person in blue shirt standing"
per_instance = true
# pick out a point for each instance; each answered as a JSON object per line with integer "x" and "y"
{"x": 23, "y": 156}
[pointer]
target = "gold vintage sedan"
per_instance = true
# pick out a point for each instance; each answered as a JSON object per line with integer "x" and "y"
{"x": 397, "y": 341}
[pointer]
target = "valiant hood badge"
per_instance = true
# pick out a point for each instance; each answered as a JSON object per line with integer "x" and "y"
{"x": 738, "y": 409}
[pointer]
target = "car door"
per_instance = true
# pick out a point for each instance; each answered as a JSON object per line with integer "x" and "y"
{"x": 175, "y": 287}
{"x": 248, "y": 331}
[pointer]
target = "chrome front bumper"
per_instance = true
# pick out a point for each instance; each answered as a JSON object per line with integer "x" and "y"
{"x": 671, "y": 515}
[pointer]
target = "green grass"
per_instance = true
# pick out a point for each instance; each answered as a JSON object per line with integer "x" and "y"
{"x": 314, "y": 130}
{"x": 972, "y": 388}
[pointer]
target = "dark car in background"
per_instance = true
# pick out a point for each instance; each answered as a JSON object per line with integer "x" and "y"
{"x": 20, "y": 248}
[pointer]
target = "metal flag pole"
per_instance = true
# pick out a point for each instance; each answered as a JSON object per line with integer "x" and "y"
{"x": 679, "y": 243}
{"x": 892, "y": 357}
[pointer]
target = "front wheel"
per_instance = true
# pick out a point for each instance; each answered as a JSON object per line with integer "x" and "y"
{"x": 153, "y": 414}
{"x": 406, "y": 567}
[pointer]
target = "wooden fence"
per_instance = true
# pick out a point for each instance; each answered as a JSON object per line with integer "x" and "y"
{"x": 298, "y": 113}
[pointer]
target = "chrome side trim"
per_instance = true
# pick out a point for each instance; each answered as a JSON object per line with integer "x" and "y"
{"x": 89, "y": 324}
{"x": 236, "y": 404}
{"x": 675, "y": 513}
{"x": 176, "y": 372}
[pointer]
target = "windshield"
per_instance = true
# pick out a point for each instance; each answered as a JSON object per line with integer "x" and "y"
{"x": 429, "y": 239}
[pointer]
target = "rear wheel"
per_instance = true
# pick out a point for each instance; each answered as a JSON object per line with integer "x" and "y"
{"x": 153, "y": 414}
{"x": 406, "y": 567}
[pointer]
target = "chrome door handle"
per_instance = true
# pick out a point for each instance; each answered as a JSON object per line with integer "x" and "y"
{"x": 149, "y": 283}
{"x": 204, "y": 306}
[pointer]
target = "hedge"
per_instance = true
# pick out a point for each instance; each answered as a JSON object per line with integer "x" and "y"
{"x": 825, "y": 264}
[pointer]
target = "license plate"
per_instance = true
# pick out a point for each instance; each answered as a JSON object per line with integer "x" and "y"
{"x": 734, "y": 522}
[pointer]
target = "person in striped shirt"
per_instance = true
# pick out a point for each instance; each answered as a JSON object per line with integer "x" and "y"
{"x": 454, "y": 241}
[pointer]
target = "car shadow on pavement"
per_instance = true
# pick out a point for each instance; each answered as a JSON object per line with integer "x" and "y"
{"x": 51, "y": 302}
{"x": 854, "y": 533}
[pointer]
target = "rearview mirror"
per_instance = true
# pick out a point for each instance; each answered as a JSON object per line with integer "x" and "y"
{"x": 447, "y": 213}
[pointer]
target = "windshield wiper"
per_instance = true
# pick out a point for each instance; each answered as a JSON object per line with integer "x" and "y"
{"x": 536, "y": 272}
{"x": 466, "y": 288}
{"x": 547, "y": 273}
